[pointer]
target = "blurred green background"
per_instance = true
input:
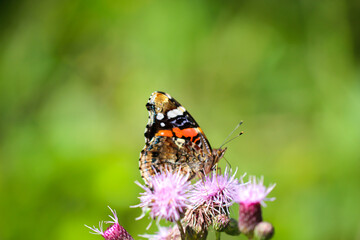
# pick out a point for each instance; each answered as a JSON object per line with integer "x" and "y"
{"x": 75, "y": 76}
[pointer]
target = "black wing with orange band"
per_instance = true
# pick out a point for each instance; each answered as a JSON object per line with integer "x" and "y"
{"x": 168, "y": 118}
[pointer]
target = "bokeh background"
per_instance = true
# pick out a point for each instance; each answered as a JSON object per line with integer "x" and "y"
{"x": 75, "y": 76}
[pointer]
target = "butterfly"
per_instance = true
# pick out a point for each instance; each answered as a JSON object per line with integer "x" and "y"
{"x": 174, "y": 141}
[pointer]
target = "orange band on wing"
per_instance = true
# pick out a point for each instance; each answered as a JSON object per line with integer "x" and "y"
{"x": 164, "y": 133}
{"x": 187, "y": 132}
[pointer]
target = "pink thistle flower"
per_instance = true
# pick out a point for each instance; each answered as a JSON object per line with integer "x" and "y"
{"x": 164, "y": 233}
{"x": 216, "y": 192}
{"x": 167, "y": 196}
{"x": 250, "y": 197}
{"x": 254, "y": 192}
{"x": 114, "y": 232}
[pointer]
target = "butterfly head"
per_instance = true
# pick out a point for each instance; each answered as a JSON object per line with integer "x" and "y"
{"x": 217, "y": 155}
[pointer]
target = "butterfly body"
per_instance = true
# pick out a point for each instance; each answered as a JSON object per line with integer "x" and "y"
{"x": 174, "y": 141}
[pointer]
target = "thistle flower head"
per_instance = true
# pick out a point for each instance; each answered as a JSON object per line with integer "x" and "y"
{"x": 254, "y": 192}
{"x": 167, "y": 196}
{"x": 114, "y": 232}
{"x": 216, "y": 192}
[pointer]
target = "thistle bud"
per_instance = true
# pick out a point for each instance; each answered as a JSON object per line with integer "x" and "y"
{"x": 220, "y": 222}
{"x": 263, "y": 231}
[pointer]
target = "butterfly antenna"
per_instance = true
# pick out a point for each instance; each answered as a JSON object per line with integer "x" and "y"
{"x": 226, "y": 139}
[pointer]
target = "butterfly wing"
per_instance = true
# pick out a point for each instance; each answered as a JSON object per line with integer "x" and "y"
{"x": 173, "y": 139}
{"x": 167, "y": 153}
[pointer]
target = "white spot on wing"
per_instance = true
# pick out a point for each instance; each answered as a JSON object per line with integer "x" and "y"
{"x": 173, "y": 113}
{"x": 162, "y": 124}
{"x": 159, "y": 116}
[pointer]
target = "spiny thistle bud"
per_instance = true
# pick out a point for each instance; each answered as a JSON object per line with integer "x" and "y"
{"x": 263, "y": 231}
{"x": 220, "y": 222}
{"x": 114, "y": 232}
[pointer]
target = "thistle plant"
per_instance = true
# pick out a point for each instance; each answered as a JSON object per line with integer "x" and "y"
{"x": 166, "y": 196}
{"x": 192, "y": 209}
{"x": 250, "y": 197}
{"x": 114, "y": 231}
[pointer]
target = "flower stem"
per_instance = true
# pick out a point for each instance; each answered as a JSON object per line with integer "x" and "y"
{"x": 181, "y": 230}
{"x": 217, "y": 235}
